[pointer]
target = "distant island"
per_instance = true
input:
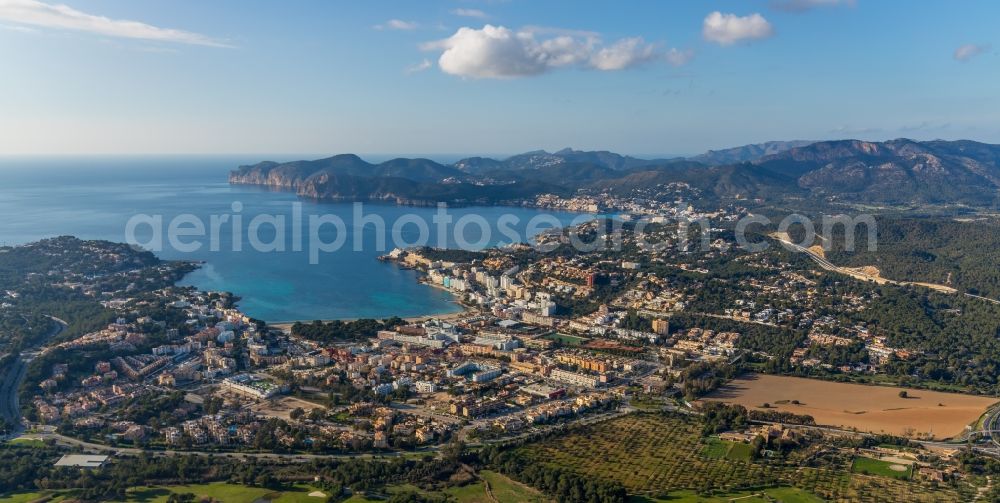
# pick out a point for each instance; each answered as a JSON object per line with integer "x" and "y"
{"x": 896, "y": 172}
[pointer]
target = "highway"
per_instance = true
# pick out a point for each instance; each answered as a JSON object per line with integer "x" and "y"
{"x": 10, "y": 380}
{"x": 991, "y": 424}
{"x": 826, "y": 264}
{"x": 13, "y": 375}
{"x": 858, "y": 274}
{"x": 990, "y": 429}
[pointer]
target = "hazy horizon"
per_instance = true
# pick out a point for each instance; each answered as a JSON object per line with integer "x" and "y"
{"x": 443, "y": 158}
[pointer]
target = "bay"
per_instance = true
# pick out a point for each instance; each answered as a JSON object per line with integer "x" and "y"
{"x": 95, "y": 197}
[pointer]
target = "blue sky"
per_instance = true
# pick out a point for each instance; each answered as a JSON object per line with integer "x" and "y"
{"x": 491, "y": 77}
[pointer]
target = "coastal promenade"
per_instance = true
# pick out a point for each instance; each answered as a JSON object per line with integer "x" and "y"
{"x": 450, "y": 317}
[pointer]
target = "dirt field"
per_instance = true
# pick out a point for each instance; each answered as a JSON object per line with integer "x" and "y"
{"x": 282, "y": 407}
{"x": 876, "y": 409}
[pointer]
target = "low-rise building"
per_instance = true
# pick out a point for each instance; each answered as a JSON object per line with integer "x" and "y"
{"x": 574, "y": 378}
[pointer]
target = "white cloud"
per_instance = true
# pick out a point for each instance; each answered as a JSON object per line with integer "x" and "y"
{"x": 492, "y": 52}
{"x": 969, "y": 51}
{"x": 476, "y": 13}
{"x": 35, "y": 13}
{"x": 623, "y": 54}
{"x": 806, "y": 5}
{"x": 397, "y": 24}
{"x": 679, "y": 57}
{"x": 728, "y": 29}
{"x": 419, "y": 67}
{"x": 498, "y": 52}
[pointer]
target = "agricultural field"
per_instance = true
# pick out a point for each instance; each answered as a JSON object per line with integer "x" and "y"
{"x": 719, "y": 449}
{"x": 883, "y": 468}
{"x": 874, "y": 409}
{"x": 657, "y": 455}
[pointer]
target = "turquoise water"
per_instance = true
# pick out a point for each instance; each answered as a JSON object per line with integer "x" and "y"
{"x": 94, "y": 198}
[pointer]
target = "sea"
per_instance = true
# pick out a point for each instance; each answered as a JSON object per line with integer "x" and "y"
{"x": 310, "y": 269}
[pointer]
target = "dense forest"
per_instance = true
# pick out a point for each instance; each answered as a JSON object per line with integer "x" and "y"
{"x": 68, "y": 255}
{"x": 343, "y": 331}
{"x": 962, "y": 253}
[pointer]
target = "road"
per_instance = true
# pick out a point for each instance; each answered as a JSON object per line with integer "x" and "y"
{"x": 274, "y": 456}
{"x": 991, "y": 424}
{"x": 10, "y": 407}
{"x": 990, "y": 429}
{"x": 855, "y": 273}
{"x": 980, "y": 297}
{"x": 286, "y": 457}
{"x": 826, "y": 264}
{"x": 858, "y": 274}
{"x": 11, "y": 379}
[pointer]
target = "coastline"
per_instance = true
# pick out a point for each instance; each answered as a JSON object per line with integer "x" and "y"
{"x": 451, "y": 316}
{"x": 419, "y": 203}
{"x": 286, "y": 326}
{"x": 263, "y": 304}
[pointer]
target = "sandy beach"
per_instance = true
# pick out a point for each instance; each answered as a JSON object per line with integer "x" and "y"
{"x": 286, "y": 326}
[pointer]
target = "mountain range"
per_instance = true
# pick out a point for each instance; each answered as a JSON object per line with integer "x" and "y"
{"x": 898, "y": 171}
{"x": 747, "y": 153}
